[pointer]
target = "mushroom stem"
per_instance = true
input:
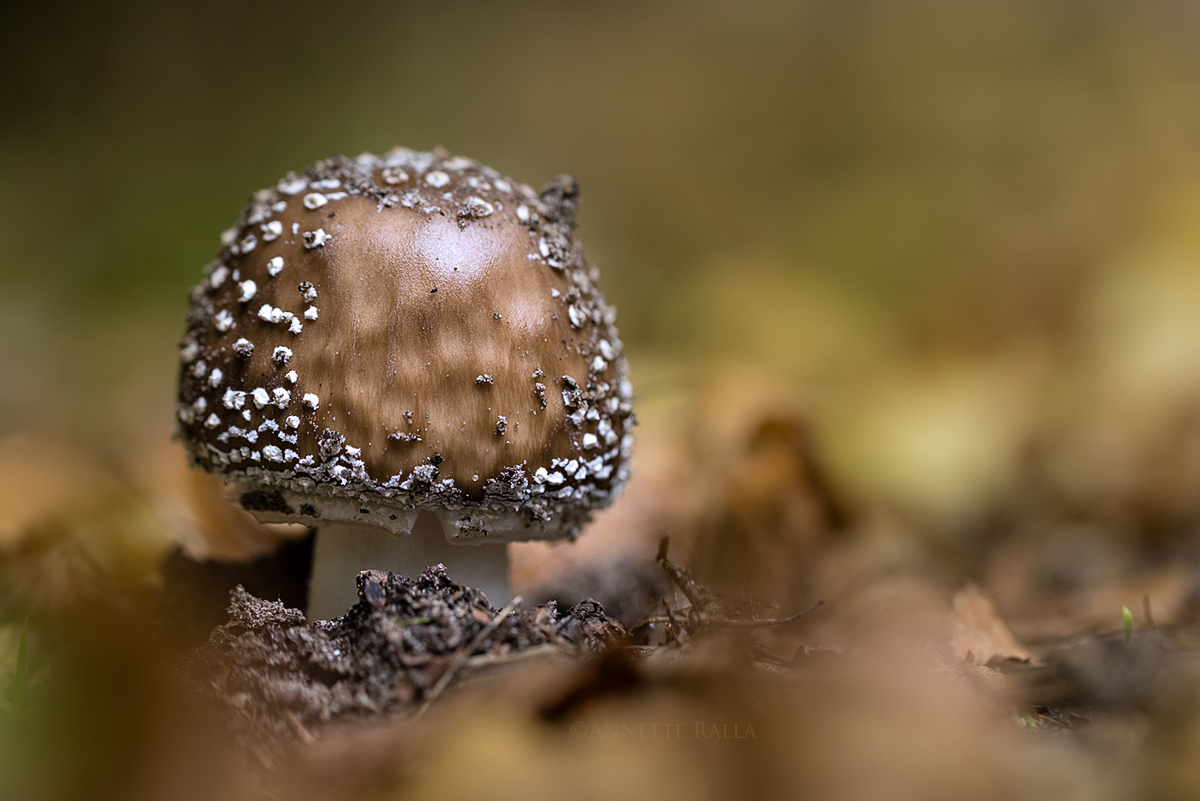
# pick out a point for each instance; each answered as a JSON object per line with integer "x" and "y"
{"x": 344, "y": 549}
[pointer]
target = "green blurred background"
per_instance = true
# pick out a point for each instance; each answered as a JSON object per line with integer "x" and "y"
{"x": 917, "y": 207}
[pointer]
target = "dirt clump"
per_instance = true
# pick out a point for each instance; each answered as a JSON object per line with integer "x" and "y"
{"x": 279, "y": 676}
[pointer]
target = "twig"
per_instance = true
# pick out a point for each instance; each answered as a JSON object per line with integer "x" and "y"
{"x": 298, "y": 728}
{"x": 735, "y": 622}
{"x": 537, "y": 651}
{"x": 762, "y": 650}
{"x": 672, "y": 626}
{"x": 465, "y": 654}
{"x": 697, "y": 594}
{"x": 749, "y": 623}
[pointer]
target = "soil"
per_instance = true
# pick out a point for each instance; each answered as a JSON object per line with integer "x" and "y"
{"x": 280, "y": 677}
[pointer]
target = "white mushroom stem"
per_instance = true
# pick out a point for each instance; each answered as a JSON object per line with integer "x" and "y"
{"x": 344, "y": 549}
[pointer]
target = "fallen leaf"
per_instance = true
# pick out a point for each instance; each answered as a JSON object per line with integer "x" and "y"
{"x": 976, "y": 629}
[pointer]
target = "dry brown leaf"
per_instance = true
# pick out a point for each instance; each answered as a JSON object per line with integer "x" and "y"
{"x": 207, "y": 521}
{"x": 976, "y": 629}
{"x": 72, "y": 527}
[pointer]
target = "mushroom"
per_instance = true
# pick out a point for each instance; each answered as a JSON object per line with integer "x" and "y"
{"x": 409, "y": 353}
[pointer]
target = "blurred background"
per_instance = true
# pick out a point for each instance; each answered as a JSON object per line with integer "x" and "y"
{"x": 976, "y": 218}
{"x": 919, "y": 276}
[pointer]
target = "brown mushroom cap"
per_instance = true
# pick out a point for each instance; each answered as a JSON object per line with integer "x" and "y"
{"x": 413, "y": 331}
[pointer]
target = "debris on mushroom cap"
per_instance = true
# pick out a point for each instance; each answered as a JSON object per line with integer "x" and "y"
{"x": 462, "y": 356}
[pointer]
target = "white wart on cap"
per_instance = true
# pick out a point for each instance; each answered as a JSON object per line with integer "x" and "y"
{"x": 385, "y": 335}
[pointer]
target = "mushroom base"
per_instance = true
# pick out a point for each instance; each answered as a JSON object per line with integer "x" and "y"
{"x": 344, "y": 549}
